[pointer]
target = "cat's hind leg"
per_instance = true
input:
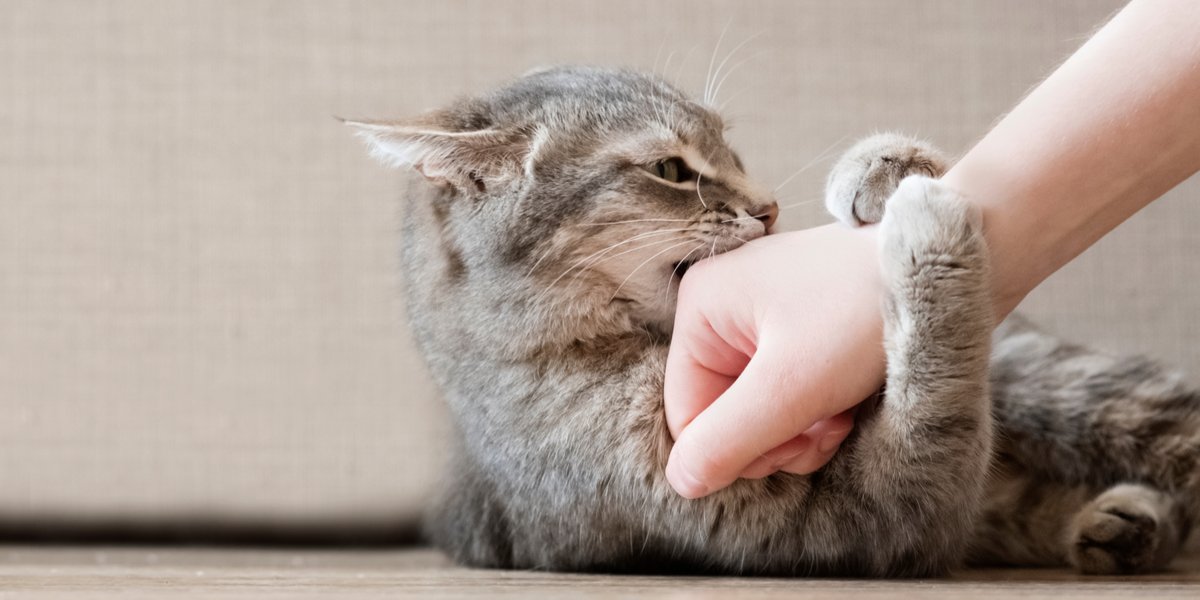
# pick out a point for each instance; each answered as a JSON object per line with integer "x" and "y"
{"x": 867, "y": 174}
{"x": 1128, "y": 528}
{"x": 1071, "y": 414}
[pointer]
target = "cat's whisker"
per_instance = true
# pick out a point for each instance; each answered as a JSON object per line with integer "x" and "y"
{"x": 599, "y": 256}
{"x": 635, "y": 221}
{"x": 658, "y": 107}
{"x": 545, "y": 254}
{"x": 658, "y": 55}
{"x": 660, "y": 115}
{"x": 729, "y": 100}
{"x": 633, "y": 238}
{"x": 699, "y": 179}
{"x": 717, "y": 78}
{"x": 682, "y": 63}
{"x": 657, "y": 104}
{"x": 604, "y": 259}
{"x": 644, "y": 263}
{"x": 812, "y": 162}
{"x": 781, "y": 208}
{"x": 665, "y": 113}
{"x": 582, "y": 268}
{"x": 802, "y": 203}
{"x": 671, "y": 277}
{"x": 672, "y": 121}
{"x": 745, "y": 218}
{"x": 671, "y": 112}
{"x": 732, "y": 70}
{"x": 713, "y": 59}
{"x": 667, "y": 65}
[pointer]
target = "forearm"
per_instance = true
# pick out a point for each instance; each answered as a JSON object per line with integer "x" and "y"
{"x": 1115, "y": 127}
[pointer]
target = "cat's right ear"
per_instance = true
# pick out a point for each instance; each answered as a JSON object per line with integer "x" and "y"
{"x": 468, "y": 160}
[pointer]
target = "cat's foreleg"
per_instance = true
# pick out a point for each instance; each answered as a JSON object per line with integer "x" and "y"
{"x": 919, "y": 461}
{"x": 867, "y": 174}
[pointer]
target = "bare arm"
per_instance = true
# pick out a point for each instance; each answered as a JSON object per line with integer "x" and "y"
{"x": 1111, "y": 130}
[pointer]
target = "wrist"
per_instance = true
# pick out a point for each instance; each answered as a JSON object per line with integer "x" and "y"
{"x": 1012, "y": 243}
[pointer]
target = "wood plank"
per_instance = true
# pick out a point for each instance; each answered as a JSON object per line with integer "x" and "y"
{"x": 136, "y": 573}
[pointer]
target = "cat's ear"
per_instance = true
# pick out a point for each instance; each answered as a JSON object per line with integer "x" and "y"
{"x": 468, "y": 160}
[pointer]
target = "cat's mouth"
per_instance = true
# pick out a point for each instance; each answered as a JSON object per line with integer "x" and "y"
{"x": 681, "y": 267}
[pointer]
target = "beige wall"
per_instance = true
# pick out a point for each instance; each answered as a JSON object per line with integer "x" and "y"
{"x": 199, "y": 311}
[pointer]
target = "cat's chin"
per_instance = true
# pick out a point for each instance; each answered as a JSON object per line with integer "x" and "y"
{"x": 656, "y": 316}
{"x": 659, "y": 329}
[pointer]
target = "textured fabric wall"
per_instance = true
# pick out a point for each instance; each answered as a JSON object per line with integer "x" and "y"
{"x": 199, "y": 307}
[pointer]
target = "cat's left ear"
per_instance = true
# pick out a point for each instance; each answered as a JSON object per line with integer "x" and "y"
{"x": 469, "y": 160}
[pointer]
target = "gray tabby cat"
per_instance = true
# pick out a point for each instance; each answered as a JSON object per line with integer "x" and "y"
{"x": 542, "y": 253}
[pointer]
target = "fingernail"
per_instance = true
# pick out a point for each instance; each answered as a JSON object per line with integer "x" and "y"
{"x": 684, "y": 483}
{"x": 830, "y": 441}
{"x": 799, "y": 445}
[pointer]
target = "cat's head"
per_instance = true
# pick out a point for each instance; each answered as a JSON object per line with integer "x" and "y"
{"x": 580, "y": 190}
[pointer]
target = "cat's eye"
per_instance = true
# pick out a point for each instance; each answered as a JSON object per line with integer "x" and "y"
{"x": 672, "y": 169}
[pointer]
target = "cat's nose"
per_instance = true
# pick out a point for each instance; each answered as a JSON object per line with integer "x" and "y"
{"x": 766, "y": 213}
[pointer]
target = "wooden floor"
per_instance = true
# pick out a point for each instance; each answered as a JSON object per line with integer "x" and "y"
{"x": 166, "y": 573}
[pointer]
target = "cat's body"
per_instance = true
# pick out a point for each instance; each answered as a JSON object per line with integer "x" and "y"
{"x": 539, "y": 267}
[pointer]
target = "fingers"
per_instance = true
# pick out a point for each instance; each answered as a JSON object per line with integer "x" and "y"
{"x": 807, "y": 452}
{"x": 773, "y": 460}
{"x": 750, "y": 371}
{"x": 702, "y": 363}
{"x": 754, "y": 416}
{"x": 695, "y": 379}
{"x": 827, "y": 437}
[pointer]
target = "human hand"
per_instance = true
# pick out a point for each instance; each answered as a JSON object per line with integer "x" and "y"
{"x": 774, "y": 344}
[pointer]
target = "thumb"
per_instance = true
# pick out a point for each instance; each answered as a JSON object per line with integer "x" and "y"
{"x": 701, "y": 365}
{"x": 706, "y": 354}
{"x": 761, "y": 410}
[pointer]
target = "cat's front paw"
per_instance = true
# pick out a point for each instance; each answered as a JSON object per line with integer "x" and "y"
{"x": 1127, "y": 529}
{"x": 930, "y": 229}
{"x": 865, "y": 177}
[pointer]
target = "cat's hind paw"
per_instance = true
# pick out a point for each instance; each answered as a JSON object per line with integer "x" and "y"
{"x": 1127, "y": 529}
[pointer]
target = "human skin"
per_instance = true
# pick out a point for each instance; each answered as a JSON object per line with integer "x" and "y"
{"x": 775, "y": 343}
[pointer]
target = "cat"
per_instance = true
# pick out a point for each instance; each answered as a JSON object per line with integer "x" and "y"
{"x": 543, "y": 247}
